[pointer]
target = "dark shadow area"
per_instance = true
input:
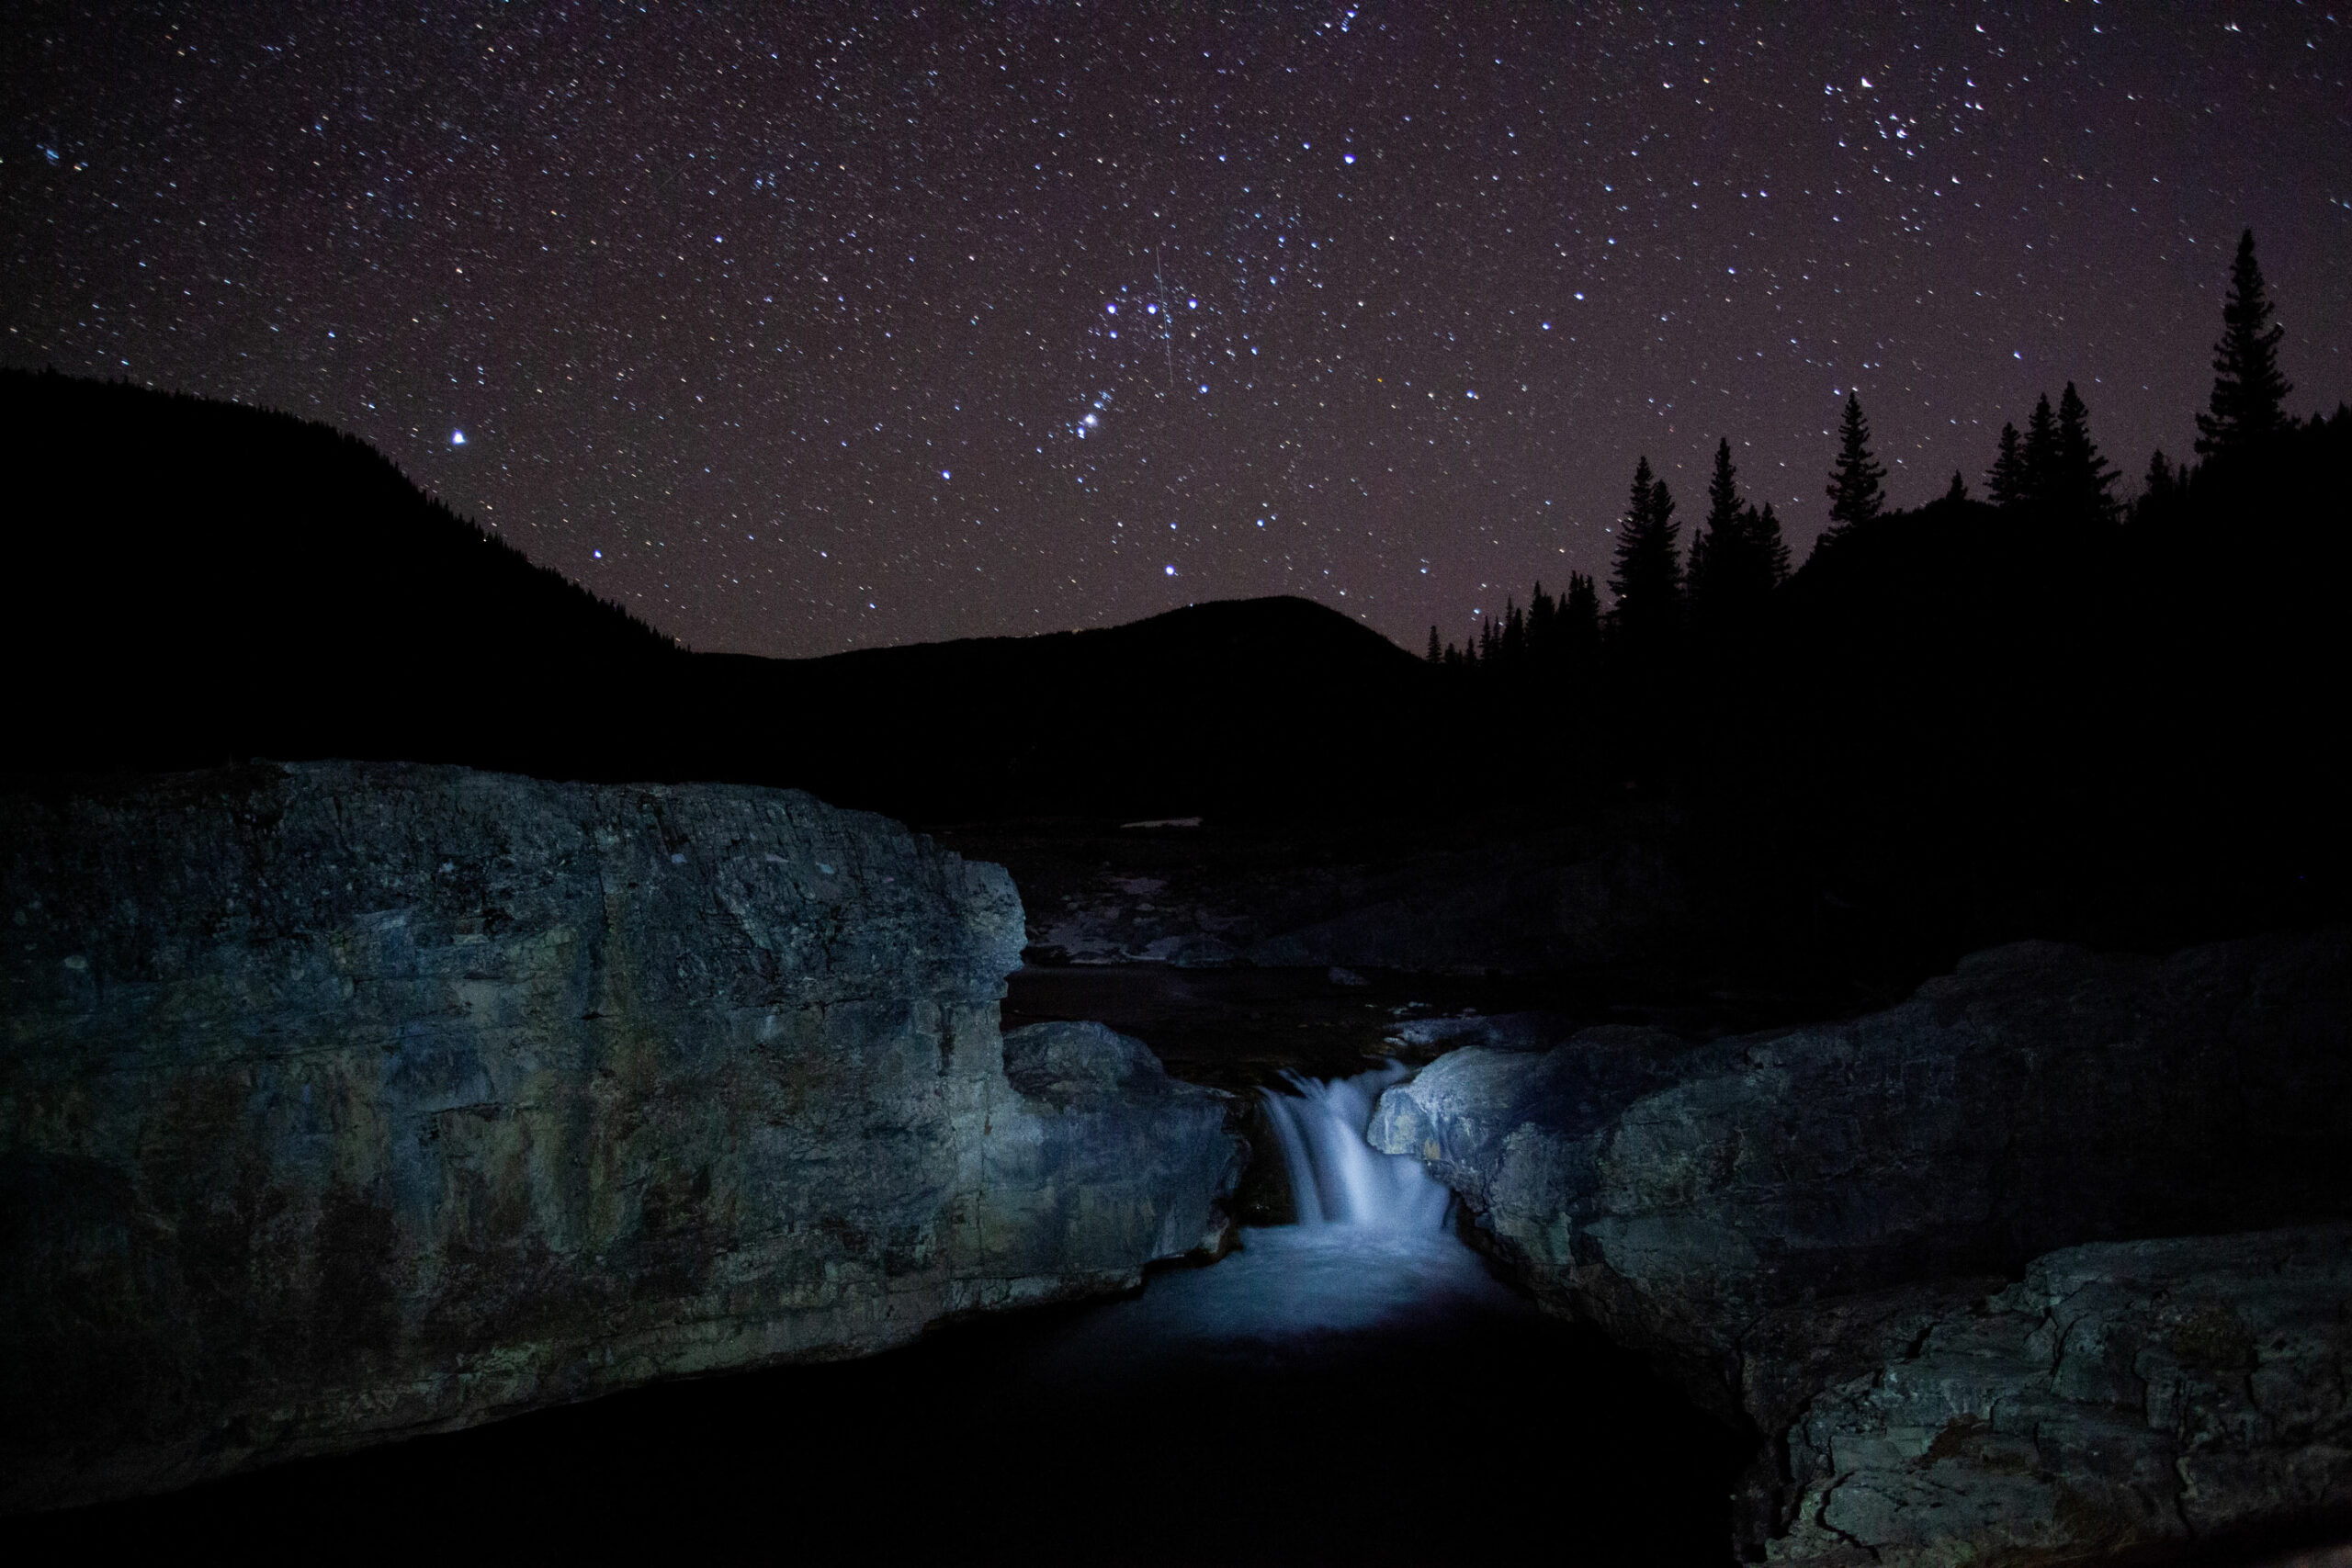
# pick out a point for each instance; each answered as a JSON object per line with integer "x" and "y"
{"x": 1471, "y": 1434}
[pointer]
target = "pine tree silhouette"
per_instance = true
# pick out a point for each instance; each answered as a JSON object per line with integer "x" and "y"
{"x": 1647, "y": 578}
{"x": 1512, "y": 642}
{"x": 1718, "y": 542}
{"x": 1437, "y": 650}
{"x": 2081, "y": 480}
{"x": 1857, "y": 485}
{"x": 1579, "y": 624}
{"x": 1738, "y": 557}
{"x": 1764, "y": 528}
{"x": 2039, "y": 472}
{"x": 1543, "y": 629}
{"x": 2250, "y": 393}
{"x": 2005, "y": 482}
{"x": 1959, "y": 491}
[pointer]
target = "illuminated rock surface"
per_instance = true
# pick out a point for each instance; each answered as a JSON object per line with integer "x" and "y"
{"x": 341, "y": 1102}
{"x": 1775, "y": 1214}
{"x": 2122, "y": 1395}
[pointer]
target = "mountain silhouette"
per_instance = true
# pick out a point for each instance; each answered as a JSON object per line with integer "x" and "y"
{"x": 191, "y": 581}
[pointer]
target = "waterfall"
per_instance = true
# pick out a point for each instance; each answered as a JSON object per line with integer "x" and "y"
{"x": 1335, "y": 1176}
{"x": 1370, "y": 1256}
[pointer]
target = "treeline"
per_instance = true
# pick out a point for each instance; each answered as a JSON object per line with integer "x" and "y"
{"x": 2028, "y": 707}
{"x": 1666, "y": 605}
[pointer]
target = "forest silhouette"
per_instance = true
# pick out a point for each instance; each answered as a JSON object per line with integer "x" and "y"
{"x": 2047, "y": 713}
{"x": 2050, "y": 712}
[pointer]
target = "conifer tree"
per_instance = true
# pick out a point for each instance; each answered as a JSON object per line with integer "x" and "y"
{"x": 2249, "y": 394}
{"x": 2005, "y": 482}
{"x": 2162, "y": 480}
{"x": 1579, "y": 622}
{"x": 1437, "y": 649}
{"x": 1857, "y": 487}
{"x": 1771, "y": 549}
{"x": 1718, "y": 542}
{"x": 1959, "y": 491}
{"x": 1509, "y": 650}
{"x": 1543, "y": 628}
{"x": 1647, "y": 581}
{"x": 2040, "y": 468}
{"x": 2081, "y": 480}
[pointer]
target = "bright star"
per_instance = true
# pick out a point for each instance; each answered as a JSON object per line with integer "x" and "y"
{"x": 457, "y": 438}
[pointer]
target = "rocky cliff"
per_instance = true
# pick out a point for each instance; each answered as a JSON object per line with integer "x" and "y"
{"x": 1769, "y": 1214}
{"x": 341, "y": 1101}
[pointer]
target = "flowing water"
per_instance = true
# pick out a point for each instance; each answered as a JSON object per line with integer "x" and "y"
{"x": 1371, "y": 1253}
{"x": 1338, "y": 1177}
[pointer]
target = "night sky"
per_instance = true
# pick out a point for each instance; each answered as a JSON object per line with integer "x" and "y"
{"x": 798, "y": 330}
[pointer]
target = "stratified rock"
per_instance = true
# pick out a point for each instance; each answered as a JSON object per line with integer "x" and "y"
{"x": 2125, "y": 1395}
{"x": 1755, "y": 1212}
{"x": 344, "y": 1101}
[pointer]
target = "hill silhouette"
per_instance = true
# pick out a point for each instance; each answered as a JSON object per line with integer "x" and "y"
{"x": 191, "y": 581}
{"x": 1242, "y": 707}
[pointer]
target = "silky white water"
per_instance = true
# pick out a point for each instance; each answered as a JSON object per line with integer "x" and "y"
{"x": 1371, "y": 1253}
{"x": 1336, "y": 1178}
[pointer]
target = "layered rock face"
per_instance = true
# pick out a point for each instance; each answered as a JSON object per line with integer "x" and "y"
{"x": 1770, "y": 1215}
{"x": 340, "y": 1101}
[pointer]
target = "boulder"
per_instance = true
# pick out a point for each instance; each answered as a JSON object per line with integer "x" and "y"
{"x": 1763, "y": 1213}
{"x": 2122, "y": 1396}
{"x": 344, "y": 1102}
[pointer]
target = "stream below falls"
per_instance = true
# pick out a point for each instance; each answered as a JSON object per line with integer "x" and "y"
{"x": 1355, "y": 1388}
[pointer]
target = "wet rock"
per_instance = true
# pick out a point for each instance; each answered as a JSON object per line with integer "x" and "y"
{"x": 344, "y": 1101}
{"x": 2122, "y": 1395}
{"x": 1760, "y": 1212}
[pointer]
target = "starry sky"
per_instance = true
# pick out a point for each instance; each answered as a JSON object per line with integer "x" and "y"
{"x": 796, "y": 329}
